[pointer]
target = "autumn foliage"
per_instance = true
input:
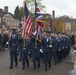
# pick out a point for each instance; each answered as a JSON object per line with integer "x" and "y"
{"x": 60, "y": 27}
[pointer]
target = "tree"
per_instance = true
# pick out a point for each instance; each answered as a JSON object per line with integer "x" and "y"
{"x": 64, "y": 17}
{"x": 61, "y": 26}
{"x": 21, "y": 10}
{"x": 17, "y": 13}
{"x": 31, "y": 5}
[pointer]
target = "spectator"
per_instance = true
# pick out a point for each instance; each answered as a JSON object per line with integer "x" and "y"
{"x": 0, "y": 40}
{"x": 74, "y": 52}
{"x": 74, "y": 70}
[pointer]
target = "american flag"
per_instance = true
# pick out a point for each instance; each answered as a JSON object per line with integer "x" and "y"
{"x": 27, "y": 24}
{"x": 39, "y": 22}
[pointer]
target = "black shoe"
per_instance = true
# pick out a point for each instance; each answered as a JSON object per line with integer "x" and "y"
{"x": 38, "y": 66}
{"x": 49, "y": 67}
{"x": 23, "y": 68}
{"x": 58, "y": 62}
{"x": 27, "y": 65}
{"x": 45, "y": 69}
{"x": 34, "y": 68}
{"x": 27, "y": 61}
{"x": 15, "y": 65}
{"x": 19, "y": 59}
{"x": 55, "y": 64}
{"x": 10, "y": 67}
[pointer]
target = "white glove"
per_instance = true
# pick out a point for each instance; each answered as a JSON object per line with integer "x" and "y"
{"x": 17, "y": 49}
{"x": 41, "y": 50}
{"x": 50, "y": 46}
{"x": 7, "y": 43}
{"x": 29, "y": 52}
{"x": 59, "y": 49}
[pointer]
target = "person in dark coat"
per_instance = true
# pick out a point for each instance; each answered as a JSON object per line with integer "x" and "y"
{"x": 13, "y": 44}
{"x": 0, "y": 41}
{"x": 35, "y": 45}
{"x": 5, "y": 40}
{"x": 57, "y": 44}
{"x": 73, "y": 72}
{"x": 47, "y": 51}
{"x": 25, "y": 50}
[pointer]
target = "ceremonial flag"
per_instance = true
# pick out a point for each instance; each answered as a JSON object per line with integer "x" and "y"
{"x": 27, "y": 24}
{"x": 39, "y": 22}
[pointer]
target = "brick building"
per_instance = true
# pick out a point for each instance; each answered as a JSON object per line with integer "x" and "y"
{"x": 50, "y": 21}
{"x": 7, "y": 20}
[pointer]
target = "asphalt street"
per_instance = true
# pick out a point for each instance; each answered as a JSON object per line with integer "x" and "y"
{"x": 63, "y": 68}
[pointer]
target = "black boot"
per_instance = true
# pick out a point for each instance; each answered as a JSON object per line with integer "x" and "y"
{"x": 34, "y": 68}
{"x": 19, "y": 59}
{"x": 27, "y": 61}
{"x": 23, "y": 68}
{"x": 49, "y": 64}
{"x": 38, "y": 63}
{"x": 45, "y": 69}
{"x": 10, "y": 67}
{"x": 16, "y": 65}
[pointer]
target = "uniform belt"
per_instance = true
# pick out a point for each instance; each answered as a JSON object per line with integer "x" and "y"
{"x": 14, "y": 44}
{"x": 24, "y": 48}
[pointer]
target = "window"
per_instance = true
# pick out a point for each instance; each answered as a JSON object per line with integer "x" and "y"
{"x": 47, "y": 17}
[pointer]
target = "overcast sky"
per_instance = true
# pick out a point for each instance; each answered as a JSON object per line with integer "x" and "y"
{"x": 61, "y": 7}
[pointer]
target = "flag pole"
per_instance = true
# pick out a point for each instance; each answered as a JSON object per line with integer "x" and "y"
{"x": 24, "y": 40}
{"x": 35, "y": 27}
{"x": 35, "y": 42}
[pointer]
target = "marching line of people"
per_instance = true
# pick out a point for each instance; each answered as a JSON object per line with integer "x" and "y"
{"x": 53, "y": 46}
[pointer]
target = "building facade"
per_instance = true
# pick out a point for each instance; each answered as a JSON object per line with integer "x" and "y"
{"x": 70, "y": 24}
{"x": 7, "y": 20}
{"x": 10, "y": 21}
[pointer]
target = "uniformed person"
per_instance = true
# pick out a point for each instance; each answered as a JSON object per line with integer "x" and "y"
{"x": 35, "y": 45}
{"x": 25, "y": 50}
{"x": 47, "y": 52}
{"x": 56, "y": 48}
{"x": 68, "y": 45}
{"x": 63, "y": 46}
{"x": 59, "y": 52}
{"x": 0, "y": 40}
{"x": 13, "y": 44}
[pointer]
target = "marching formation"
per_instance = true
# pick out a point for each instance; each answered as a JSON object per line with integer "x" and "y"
{"x": 53, "y": 46}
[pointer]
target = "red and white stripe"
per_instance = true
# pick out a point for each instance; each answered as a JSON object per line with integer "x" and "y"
{"x": 27, "y": 28}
